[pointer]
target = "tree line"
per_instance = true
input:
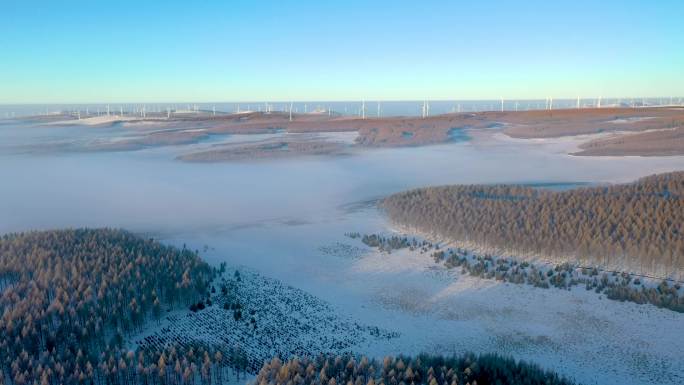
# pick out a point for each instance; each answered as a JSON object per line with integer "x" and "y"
{"x": 636, "y": 227}
{"x": 620, "y": 287}
{"x": 616, "y": 286}
{"x": 467, "y": 369}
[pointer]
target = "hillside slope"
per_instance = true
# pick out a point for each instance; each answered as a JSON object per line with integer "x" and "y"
{"x": 636, "y": 227}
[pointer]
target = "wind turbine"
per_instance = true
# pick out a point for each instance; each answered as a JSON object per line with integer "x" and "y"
{"x": 550, "y": 103}
{"x": 290, "y": 111}
{"x": 578, "y": 103}
{"x": 598, "y": 102}
{"x": 213, "y": 109}
{"x": 502, "y": 104}
{"x": 426, "y": 109}
{"x": 363, "y": 109}
{"x": 378, "y": 109}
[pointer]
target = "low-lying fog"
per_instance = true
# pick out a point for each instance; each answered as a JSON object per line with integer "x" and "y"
{"x": 278, "y": 216}
{"x": 264, "y": 213}
{"x": 148, "y": 190}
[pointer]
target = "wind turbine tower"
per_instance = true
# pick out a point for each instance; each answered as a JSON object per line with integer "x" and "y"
{"x": 502, "y": 104}
{"x": 578, "y": 103}
{"x": 363, "y": 109}
{"x": 291, "y": 111}
{"x": 598, "y": 102}
{"x": 426, "y": 109}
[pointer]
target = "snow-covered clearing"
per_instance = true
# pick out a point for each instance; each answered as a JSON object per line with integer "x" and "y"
{"x": 577, "y": 332}
{"x": 275, "y": 320}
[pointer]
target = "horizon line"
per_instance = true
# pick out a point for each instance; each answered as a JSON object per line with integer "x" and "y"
{"x": 498, "y": 99}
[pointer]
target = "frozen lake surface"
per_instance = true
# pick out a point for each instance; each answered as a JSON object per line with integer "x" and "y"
{"x": 287, "y": 218}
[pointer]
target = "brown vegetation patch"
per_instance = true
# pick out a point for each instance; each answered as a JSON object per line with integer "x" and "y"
{"x": 269, "y": 149}
{"x": 416, "y": 131}
{"x": 160, "y": 138}
{"x": 653, "y": 143}
{"x": 558, "y": 123}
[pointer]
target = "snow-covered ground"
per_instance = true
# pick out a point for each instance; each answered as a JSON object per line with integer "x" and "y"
{"x": 420, "y": 306}
{"x": 275, "y": 320}
{"x": 577, "y": 332}
{"x": 95, "y": 120}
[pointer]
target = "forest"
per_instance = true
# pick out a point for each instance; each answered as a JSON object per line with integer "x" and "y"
{"x": 468, "y": 369}
{"x": 636, "y": 227}
{"x": 70, "y": 297}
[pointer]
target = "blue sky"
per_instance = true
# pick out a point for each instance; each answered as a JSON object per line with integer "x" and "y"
{"x": 172, "y": 51}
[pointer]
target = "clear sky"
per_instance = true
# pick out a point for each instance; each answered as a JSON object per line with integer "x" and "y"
{"x": 204, "y": 51}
